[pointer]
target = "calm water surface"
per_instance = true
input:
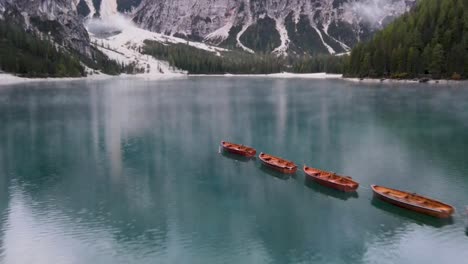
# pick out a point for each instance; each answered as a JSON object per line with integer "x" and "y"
{"x": 127, "y": 171}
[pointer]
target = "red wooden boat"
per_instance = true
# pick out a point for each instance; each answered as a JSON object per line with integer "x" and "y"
{"x": 279, "y": 164}
{"x": 332, "y": 180}
{"x": 414, "y": 202}
{"x": 238, "y": 149}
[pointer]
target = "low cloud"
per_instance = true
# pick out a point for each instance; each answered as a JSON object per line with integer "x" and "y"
{"x": 109, "y": 24}
{"x": 374, "y": 11}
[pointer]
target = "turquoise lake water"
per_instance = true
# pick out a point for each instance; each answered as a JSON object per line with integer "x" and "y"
{"x": 129, "y": 171}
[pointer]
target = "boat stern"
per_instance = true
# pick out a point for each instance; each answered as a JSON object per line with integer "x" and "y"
{"x": 352, "y": 187}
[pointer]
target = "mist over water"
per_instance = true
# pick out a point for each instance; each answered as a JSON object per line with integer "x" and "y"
{"x": 128, "y": 171}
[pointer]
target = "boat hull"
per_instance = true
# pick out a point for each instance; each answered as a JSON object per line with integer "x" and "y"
{"x": 238, "y": 152}
{"x": 278, "y": 164}
{"x": 408, "y": 206}
{"x": 349, "y": 186}
{"x": 236, "y": 149}
{"x": 339, "y": 187}
{"x": 282, "y": 170}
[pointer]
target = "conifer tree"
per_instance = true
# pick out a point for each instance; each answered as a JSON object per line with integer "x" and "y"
{"x": 430, "y": 39}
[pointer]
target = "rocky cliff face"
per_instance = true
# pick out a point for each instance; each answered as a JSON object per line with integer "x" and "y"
{"x": 98, "y": 8}
{"x": 57, "y": 18}
{"x": 297, "y": 26}
{"x": 267, "y": 26}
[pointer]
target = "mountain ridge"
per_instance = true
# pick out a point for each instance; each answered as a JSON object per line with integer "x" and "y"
{"x": 57, "y": 18}
{"x": 296, "y": 28}
{"x": 334, "y": 26}
{"x": 291, "y": 26}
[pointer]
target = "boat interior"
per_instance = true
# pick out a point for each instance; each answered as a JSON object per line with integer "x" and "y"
{"x": 277, "y": 161}
{"x": 239, "y": 147}
{"x": 330, "y": 176}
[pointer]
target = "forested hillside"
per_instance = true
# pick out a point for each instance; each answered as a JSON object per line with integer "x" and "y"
{"x": 429, "y": 41}
{"x": 197, "y": 61}
{"x": 28, "y": 55}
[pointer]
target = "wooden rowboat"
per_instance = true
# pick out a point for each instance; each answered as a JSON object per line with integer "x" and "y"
{"x": 238, "y": 149}
{"x": 279, "y": 164}
{"x": 414, "y": 202}
{"x": 332, "y": 180}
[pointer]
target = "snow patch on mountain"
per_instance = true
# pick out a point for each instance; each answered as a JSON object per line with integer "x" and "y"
{"x": 221, "y": 34}
{"x": 91, "y": 8}
{"x": 281, "y": 28}
{"x": 126, "y": 44}
{"x": 329, "y": 48}
{"x": 344, "y": 21}
{"x": 239, "y": 35}
{"x": 121, "y": 40}
{"x": 108, "y": 8}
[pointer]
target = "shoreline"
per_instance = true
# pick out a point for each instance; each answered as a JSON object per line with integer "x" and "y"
{"x": 406, "y": 81}
{"x": 282, "y": 75}
{"x": 10, "y": 79}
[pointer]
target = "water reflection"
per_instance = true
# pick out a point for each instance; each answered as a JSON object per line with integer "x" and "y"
{"x": 274, "y": 173}
{"x": 127, "y": 171}
{"x": 114, "y": 104}
{"x": 4, "y": 202}
{"x": 236, "y": 157}
{"x": 415, "y": 217}
{"x": 328, "y": 191}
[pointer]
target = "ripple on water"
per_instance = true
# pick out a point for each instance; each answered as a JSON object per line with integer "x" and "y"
{"x": 105, "y": 175}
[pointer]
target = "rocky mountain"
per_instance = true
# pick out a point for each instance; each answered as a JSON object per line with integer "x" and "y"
{"x": 57, "y": 18}
{"x": 98, "y": 8}
{"x": 256, "y": 26}
{"x": 57, "y": 24}
{"x": 279, "y": 26}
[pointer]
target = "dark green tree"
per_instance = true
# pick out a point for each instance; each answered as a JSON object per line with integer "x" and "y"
{"x": 430, "y": 39}
{"x": 436, "y": 66}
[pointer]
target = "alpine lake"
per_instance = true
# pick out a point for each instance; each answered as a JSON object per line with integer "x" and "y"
{"x": 130, "y": 171}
